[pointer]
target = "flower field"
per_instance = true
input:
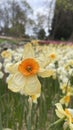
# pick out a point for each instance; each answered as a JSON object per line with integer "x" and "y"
{"x": 36, "y": 87}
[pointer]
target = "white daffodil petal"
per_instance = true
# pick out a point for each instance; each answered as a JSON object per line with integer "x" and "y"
{"x": 71, "y": 126}
{"x": 33, "y": 86}
{"x": 1, "y": 74}
{"x": 0, "y": 65}
{"x": 12, "y": 68}
{"x": 71, "y": 111}
{"x": 45, "y": 73}
{"x": 60, "y": 115}
{"x": 28, "y": 51}
{"x": 60, "y": 108}
{"x": 65, "y": 125}
{"x": 16, "y": 82}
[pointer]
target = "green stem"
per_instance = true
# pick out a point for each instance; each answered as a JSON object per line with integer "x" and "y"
{"x": 57, "y": 122}
{"x": 29, "y": 117}
{"x": 0, "y": 122}
{"x": 0, "y": 115}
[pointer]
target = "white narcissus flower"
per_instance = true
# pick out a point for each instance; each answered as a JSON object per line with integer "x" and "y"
{"x": 71, "y": 126}
{"x": 23, "y": 75}
{"x": 7, "y": 129}
{"x": 52, "y": 56}
{"x": 66, "y": 89}
{"x": 0, "y": 65}
{"x": 7, "y": 54}
{"x": 67, "y": 114}
{"x": 1, "y": 74}
{"x": 59, "y": 111}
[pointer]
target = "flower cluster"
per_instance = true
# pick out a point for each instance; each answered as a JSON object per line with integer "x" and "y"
{"x": 67, "y": 114}
{"x": 26, "y": 65}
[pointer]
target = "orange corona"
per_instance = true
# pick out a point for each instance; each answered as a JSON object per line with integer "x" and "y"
{"x": 28, "y": 67}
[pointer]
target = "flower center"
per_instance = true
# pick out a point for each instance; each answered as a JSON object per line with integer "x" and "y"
{"x": 52, "y": 56}
{"x": 28, "y": 67}
{"x": 69, "y": 115}
{"x": 67, "y": 99}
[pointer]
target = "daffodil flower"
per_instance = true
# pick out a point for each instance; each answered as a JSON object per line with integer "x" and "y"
{"x": 7, "y": 54}
{"x": 66, "y": 89}
{"x": 67, "y": 113}
{"x": 23, "y": 74}
{"x": 7, "y": 129}
{"x": 1, "y": 73}
{"x": 65, "y": 100}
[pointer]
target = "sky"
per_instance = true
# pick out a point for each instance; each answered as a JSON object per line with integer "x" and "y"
{"x": 43, "y": 8}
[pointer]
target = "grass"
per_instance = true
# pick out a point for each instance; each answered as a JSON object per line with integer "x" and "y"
{"x": 12, "y": 41}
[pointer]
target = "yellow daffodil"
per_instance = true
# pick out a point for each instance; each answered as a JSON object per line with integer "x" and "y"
{"x": 23, "y": 75}
{"x": 7, "y": 54}
{"x": 65, "y": 100}
{"x": 52, "y": 56}
{"x": 67, "y": 113}
{"x": 66, "y": 89}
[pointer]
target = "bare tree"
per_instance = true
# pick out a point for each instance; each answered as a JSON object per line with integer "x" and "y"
{"x": 15, "y": 17}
